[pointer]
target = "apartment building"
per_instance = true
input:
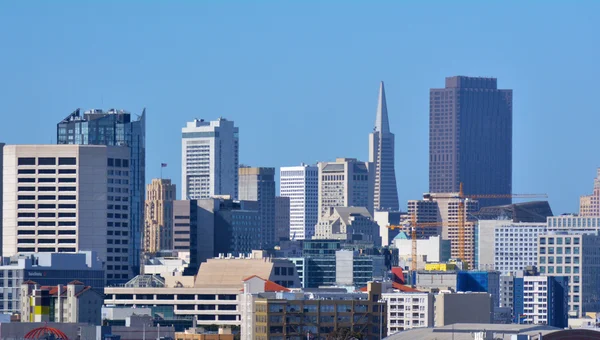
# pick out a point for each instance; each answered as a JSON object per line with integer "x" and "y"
{"x": 409, "y": 310}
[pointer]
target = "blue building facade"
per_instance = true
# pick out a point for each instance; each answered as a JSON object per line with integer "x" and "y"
{"x": 554, "y": 299}
{"x": 115, "y": 128}
{"x": 479, "y": 281}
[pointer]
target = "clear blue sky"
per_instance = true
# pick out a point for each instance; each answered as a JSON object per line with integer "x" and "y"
{"x": 300, "y": 79}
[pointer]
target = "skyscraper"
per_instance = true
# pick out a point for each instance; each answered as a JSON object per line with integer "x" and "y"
{"x": 381, "y": 154}
{"x": 158, "y": 226}
{"x": 470, "y": 138}
{"x": 209, "y": 159}
{"x": 258, "y": 184}
{"x": 301, "y": 185}
{"x": 346, "y": 182}
{"x": 68, "y": 198}
{"x": 282, "y": 218}
{"x": 115, "y": 128}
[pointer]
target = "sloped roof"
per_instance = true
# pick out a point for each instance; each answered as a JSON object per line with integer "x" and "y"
{"x": 399, "y": 287}
{"x": 346, "y": 212}
{"x": 398, "y": 275}
{"x": 230, "y": 273}
{"x": 270, "y": 286}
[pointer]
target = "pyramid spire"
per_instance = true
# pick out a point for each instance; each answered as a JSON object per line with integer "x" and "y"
{"x": 381, "y": 121}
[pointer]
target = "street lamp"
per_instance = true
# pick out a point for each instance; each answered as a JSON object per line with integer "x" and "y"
{"x": 383, "y": 302}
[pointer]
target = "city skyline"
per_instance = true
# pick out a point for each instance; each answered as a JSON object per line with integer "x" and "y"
{"x": 291, "y": 91}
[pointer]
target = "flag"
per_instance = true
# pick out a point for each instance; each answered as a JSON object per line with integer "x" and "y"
{"x": 163, "y": 165}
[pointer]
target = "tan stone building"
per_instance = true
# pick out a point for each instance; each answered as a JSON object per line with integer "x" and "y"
{"x": 158, "y": 219}
{"x": 589, "y": 205}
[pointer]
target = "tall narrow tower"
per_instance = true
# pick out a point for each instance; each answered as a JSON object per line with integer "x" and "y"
{"x": 381, "y": 154}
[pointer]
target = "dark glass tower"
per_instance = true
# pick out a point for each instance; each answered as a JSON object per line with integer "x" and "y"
{"x": 470, "y": 138}
{"x": 115, "y": 128}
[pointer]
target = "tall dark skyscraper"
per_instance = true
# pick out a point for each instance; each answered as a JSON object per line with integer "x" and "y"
{"x": 470, "y": 138}
{"x": 115, "y": 128}
{"x": 381, "y": 154}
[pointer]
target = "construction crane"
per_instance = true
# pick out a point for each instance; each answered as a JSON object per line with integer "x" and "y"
{"x": 462, "y": 218}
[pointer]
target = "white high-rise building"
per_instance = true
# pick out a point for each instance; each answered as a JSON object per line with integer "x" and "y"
{"x": 381, "y": 154}
{"x": 507, "y": 246}
{"x": 69, "y": 198}
{"x": 209, "y": 159}
{"x": 301, "y": 185}
{"x": 346, "y": 182}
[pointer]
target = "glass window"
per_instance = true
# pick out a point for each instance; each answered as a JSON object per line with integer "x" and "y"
{"x": 67, "y": 161}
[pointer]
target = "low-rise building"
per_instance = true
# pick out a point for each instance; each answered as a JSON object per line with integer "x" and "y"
{"x": 47, "y": 269}
{"x": 431, "y": 249}
{"x": 213, "y": 298}
{"x": 407, "y": 310}
{"x": 294, "y": 315}
{"x": 450, "y": 308}
{"x": 74, "y": 302}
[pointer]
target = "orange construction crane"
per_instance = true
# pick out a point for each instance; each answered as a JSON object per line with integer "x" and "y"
{"x": 462, "y": 218}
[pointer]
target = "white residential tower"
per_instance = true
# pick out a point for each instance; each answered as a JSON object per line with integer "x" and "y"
{"x": 300, "y": 184}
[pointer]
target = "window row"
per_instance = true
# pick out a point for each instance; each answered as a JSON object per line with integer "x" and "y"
{"x": 47, "y": 161}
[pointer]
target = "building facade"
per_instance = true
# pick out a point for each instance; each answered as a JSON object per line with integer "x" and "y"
{"x": 345, "y": 183}
{"x": 450, "y": 308}
{"x": 541, "y": 300}
{"x": 348, "y": 224}
{"x": 431, "y": 250}
{"x": 463, "y": 146}
{"x": 409, "y": 310}
{"x": 589, "y": 205}
{"x": 69, "y": 198}
{"x": 258, "y": 184}
{"x": 480, "y": 281}
{"x": 507, "y": 246}
{"x": 209, "y": 159}
{"x": 116, "y": 128}
{"x": 381, "y": 154}
{"x": 158, "y": 226}
{"x": 282, "y": 218}
{"x": 301, "y": 185}
{"x": 576, "y": 256}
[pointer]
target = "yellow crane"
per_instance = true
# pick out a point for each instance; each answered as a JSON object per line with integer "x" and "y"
{"x": 462, "y": 218}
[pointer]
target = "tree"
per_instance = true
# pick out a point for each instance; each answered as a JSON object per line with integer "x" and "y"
{"x": 344, "y": 334}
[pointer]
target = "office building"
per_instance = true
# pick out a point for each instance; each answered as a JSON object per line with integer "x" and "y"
{"x": 450, "y": 308}
{"x": 348, "y": 224}
{"x": 345, "y": 183}
{"x": 507, "y": 246}
{"x": 381, "y": 154}
{"x": 431, "y": 250}
{"x": 209, "y": 160}
{"x": 258, "y": 184}
{"x": 408, "y": 310}
{"x": 73, "y": 302}
{"x": 589, "y": 205}
{"x": 574, "y": 224}
{"x": 1, "y": 189}
{"x": 541, "y": 300}
{"x": 470, "y": 138}
{"x": 576, "y": 256}
{"x": 116, "y": 128}
{"x": 301, "y": 185}
{"x": 293, "y": 315}
{"x": 47, "y": 269}
{"x": 69, "y": 198}
{"x": 158, "y": 226}
{"x": 352, "y": 269}
{"x": 282, "y": 219}
{"x": 209, "y": 227}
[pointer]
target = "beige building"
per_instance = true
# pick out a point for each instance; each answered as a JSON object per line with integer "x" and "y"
{"x": 158, "y": 217}
{"x": 444, "y": 208}
{"x": 345, "y": 183}
{"x": 69, "y": 198}
{"x": 450, "y": 308}
{"x": 348, "y": 224}
{"x": 72, "y": 303}
{"x": 214, "y": 296}
{"x": 589, "y": 205}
